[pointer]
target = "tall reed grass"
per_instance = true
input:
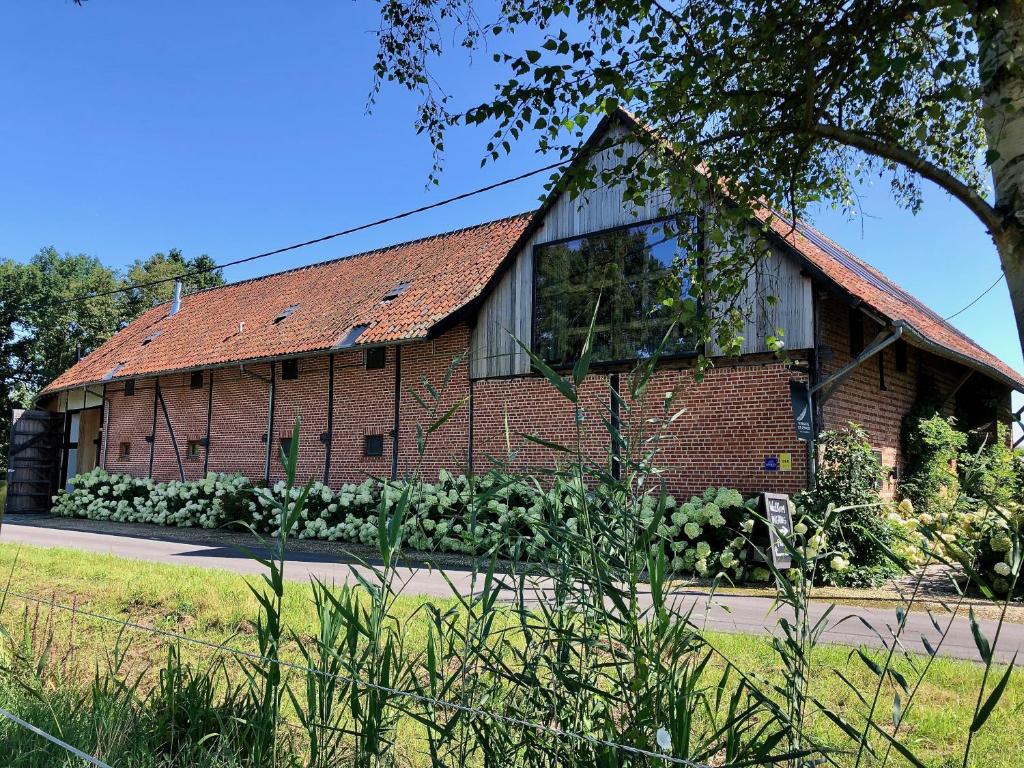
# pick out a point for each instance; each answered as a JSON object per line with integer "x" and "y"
{"x": 586, "y": 659}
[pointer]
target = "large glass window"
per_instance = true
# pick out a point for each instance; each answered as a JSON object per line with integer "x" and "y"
{"x": 633, "y": 271}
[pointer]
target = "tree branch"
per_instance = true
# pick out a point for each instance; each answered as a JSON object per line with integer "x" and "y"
{"x": 977, "y": 204}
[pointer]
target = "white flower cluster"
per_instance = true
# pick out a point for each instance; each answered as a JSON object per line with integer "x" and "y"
{"x": 706, "y": 535}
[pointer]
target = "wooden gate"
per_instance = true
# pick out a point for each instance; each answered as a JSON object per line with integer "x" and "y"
{"x": 33, "y": 460}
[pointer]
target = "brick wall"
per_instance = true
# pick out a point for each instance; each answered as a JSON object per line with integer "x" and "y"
{"x": 859, "y": 398}
{"x": 729, "y": 423}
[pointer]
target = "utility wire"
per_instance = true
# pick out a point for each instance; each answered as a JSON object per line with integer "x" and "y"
{"x": 53, "y": 739}
{"x": 977, "y": 298}
{"x": 306, "y": 243}
{"x": 238, "y": 652}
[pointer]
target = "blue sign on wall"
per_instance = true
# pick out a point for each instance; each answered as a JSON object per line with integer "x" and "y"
{"x": 771, "y": 463}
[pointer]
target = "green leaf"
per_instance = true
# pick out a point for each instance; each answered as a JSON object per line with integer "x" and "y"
{"x": 563, "y": 386}
{"x": 993, "y": 698}
{"x": 984, "y": 648}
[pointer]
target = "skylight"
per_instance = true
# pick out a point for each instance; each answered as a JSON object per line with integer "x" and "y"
{"x": 395, "y": 292}
{"x": 286, "y": 313}
{"x": 151, "y": 337}
{"x": 354, "y": 333}
{"x": 112, "y": 372}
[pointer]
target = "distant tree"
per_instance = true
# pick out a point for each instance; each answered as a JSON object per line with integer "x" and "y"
{"x": 784, "y": 101}
{"x": 161, "y": 266}
{"x": 43, "y": 328}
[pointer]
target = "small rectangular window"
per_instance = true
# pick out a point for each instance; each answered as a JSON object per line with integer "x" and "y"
{"x": 196, "y": 382}
{"x": 900, "y": 355}
{"x": 129, "y": 388}
{"x": 376, "y": 358}
{"x": 193, "y": 451}
{"x": 286, "y": 448}
{"x": 856, "y": 332}
{"x": 124, "y": 451}
{"x": 290, "y": 369}
{"x": 373, "y": 445}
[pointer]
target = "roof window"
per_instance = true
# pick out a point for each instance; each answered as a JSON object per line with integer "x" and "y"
{"x": 286, "y": 313}
{"x": 112, "y": 372}
{"x": 353, "y": 334}
{"x": 395, "y": 292}
{"x": 151, "y": 337}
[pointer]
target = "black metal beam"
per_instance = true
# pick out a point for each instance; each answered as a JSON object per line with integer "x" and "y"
{"x": 209, "y": 421}
{"x": 170, "y": 431}
{"x": 328, "y": 437}
{"x": 152, "y": 434}
{"x": 398, "y": 413}
{"x": 615, "y": 422}
{"x": 270, "y": 425}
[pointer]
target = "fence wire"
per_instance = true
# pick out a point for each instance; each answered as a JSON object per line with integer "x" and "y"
{"x": 53, "y": 739}
{"x": 397, "y": 692}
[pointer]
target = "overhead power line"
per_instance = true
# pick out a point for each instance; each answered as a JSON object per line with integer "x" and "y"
{"x": 976, "y": 299}
{"x": 305, "y": 243}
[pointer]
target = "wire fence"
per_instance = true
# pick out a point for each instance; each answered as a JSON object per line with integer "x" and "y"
{"x": 53, "y": 739}
{"x": 397, "y": 692}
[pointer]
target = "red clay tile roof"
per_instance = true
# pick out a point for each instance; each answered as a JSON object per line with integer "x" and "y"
{"x": 924, "y": 327}
{"x": 443, "y": 272}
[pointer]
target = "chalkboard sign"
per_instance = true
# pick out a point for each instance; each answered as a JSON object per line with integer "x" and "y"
{"x": 776, "y": 509}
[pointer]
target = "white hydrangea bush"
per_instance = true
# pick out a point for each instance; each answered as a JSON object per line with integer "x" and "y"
{"x": 206, "y": 503}
{"x": 707, "y": 536}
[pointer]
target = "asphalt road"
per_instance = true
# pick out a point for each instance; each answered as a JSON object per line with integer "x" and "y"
{"x": 849, "y": 625}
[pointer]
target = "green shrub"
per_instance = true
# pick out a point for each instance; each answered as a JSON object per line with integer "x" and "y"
{"x": 931, "y": 447}
{"x": 850, "y": 475}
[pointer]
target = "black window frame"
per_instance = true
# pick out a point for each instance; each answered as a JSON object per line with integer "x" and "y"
{"x": 609, "y": 364}
{"x": 375, "y": 358}
{"x": 195, "y": 380}
{"x": 376, "y": 452}
{"x": 900, "y": 356}
{"x": 290, "y": 369}
{"x": 124, "y": 451}
{"x": 129, "y": 388}
{"x": 856, "y": 332}
{"x": 192, "y": 452}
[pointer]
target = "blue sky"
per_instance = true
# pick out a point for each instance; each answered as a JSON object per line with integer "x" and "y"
{"x": 233, "y": 128}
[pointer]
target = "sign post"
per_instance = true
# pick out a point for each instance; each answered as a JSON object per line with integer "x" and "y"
{"x": 800, "y": 400}
{"x": 780, "y": 523}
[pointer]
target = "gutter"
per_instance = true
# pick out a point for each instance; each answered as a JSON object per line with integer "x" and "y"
{"x": 922, "y": 341}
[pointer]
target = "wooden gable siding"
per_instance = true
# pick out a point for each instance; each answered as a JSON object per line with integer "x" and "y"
{"x": 506, "y": 313}
{"x": 779, "y": 276}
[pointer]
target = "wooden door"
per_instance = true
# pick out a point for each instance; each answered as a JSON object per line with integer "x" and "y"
{"x": 33, "y": 460}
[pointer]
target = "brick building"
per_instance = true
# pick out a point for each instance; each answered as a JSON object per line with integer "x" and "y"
{"x": 358, "y": 346}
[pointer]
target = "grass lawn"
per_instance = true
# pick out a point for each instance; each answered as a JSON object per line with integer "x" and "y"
{"x": 217, "y": 605}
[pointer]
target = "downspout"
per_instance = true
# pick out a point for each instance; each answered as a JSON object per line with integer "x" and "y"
{"x": 270, "y": 425}
{"x": 398, "y": 413}
{"x": 209, "y": 422}
{"x": 152, "y": 434}
{"x": 328, "y": 437}
{"x": 877, "y": 346}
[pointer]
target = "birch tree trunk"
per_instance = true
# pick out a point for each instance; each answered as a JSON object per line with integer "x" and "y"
{"x": 1001, "y": 48}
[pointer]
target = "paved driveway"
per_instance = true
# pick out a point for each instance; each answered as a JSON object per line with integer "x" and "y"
{"x": 330, "y": 562}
